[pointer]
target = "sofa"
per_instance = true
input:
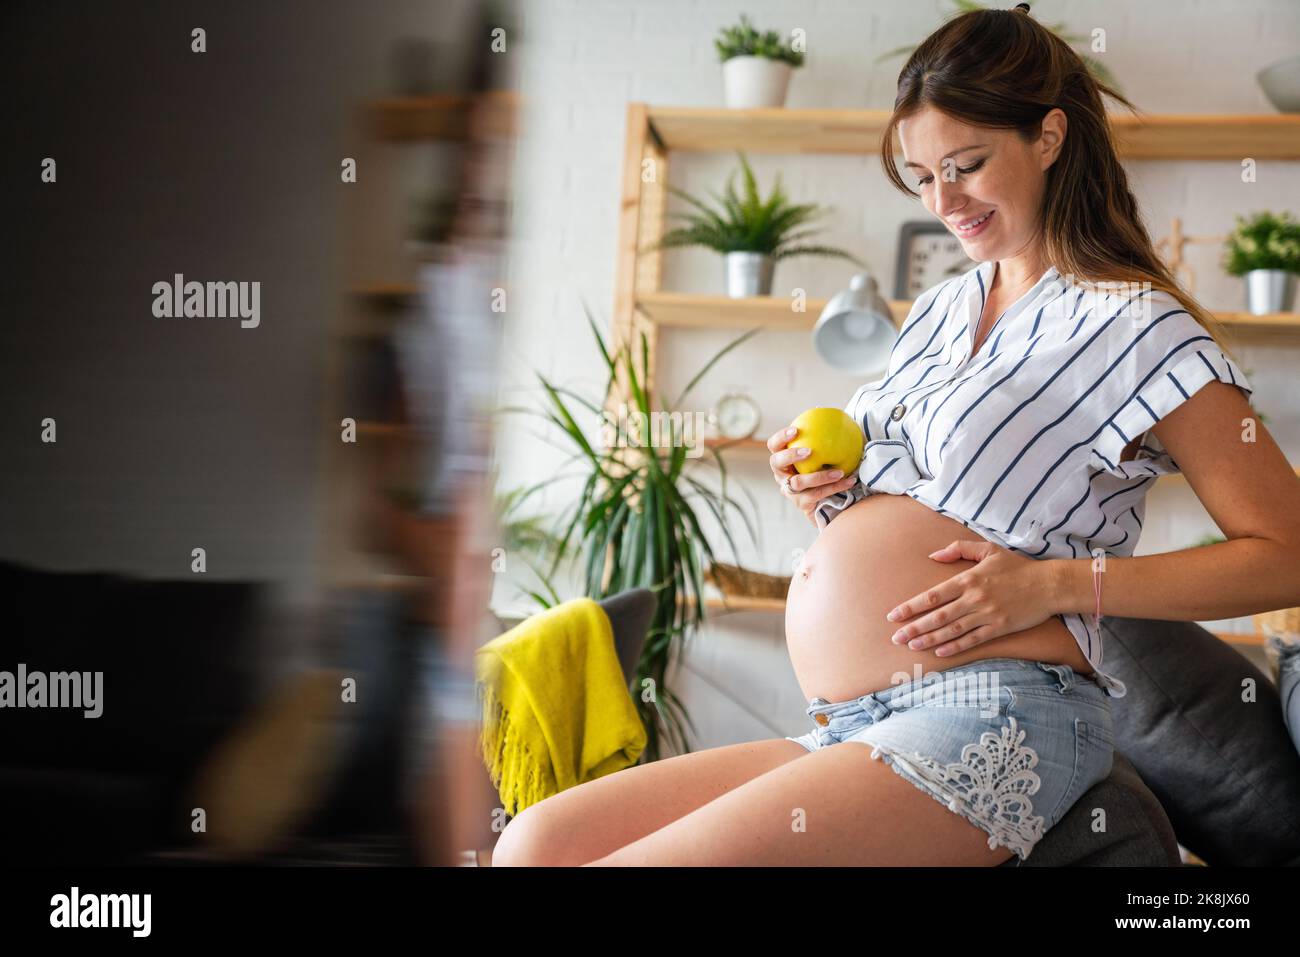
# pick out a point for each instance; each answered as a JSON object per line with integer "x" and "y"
{"x": 214, "y": 693}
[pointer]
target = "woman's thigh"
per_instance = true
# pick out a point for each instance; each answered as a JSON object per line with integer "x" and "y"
{"x": 836, "y": 807}
{"x": 585, "y": 822}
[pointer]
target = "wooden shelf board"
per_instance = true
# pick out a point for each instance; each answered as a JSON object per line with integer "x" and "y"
{"x": 441, "y": 116}
{"x": 700, "y": 311}
{"x": 386, "y": 290}
{"x": 736, "y": 445}
{"x": 858, "y": 132}
{"x": 709, "y": 311}
{"x": 1271, "y": 320}
{"x": 743, "y": 603}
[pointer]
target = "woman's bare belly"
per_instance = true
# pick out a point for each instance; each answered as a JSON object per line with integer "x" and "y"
{"x": 869, "y": 559}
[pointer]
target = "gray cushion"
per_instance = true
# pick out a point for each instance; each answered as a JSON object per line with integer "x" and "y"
{"x": 1224, "y": 769}
{"x": 1137, "y": 833}
{"x": 629, "y": 614}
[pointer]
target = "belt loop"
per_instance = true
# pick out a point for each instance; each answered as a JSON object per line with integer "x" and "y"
{"x": 1064, "y": 677}
{"x": 873, "y": 706}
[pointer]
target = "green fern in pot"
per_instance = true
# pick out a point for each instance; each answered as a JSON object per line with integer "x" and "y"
{"x": 753, "y": 233}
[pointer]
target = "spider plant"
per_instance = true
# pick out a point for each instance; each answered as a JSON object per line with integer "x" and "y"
{"x": 636, "y": 522}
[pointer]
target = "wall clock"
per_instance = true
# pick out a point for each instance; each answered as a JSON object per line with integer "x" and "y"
{"x": 928, "y": 254}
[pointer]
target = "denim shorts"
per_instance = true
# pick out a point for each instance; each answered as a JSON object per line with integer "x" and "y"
{"x": 1008, "y": 744}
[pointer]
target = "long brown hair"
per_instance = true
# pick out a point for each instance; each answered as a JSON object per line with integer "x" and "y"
{"x": 1003, "y": 70}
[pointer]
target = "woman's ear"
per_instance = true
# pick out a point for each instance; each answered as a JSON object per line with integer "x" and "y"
{"x": 1052, "y": 137}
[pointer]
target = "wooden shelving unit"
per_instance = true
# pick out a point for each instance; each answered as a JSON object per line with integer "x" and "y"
{"x": 641, "y": 306}
{"x": 654, "y": 132}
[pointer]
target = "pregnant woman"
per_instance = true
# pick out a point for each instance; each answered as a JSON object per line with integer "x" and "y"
{"x": 943, "y": 626}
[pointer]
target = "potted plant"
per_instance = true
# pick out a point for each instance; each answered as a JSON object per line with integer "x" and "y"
{"x": 753, "y": 234}
{"x": 1095, "y": 66}
{"x": 755, "y": 66}
{"x": 1266, "y": 250}
{"x": 636, "y": 523}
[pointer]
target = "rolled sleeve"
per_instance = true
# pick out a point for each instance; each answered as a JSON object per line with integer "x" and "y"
{"x": 832, "y": 506}
{"x": 1160, "y": 372}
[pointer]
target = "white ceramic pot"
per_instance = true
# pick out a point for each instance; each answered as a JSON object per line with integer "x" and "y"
{"x": 1281, "y": 84}
{"x": 1269, "y": 290}
{"x": 754, "y": 81}
{"x": 749, "y": 274}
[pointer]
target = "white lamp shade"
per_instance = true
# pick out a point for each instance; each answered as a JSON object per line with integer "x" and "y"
{"x": 856, "y": 332}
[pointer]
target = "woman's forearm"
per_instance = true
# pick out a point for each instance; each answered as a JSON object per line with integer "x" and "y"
{"x": 1205, "y": 583}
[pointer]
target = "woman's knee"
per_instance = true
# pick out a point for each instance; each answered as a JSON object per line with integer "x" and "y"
{"x": 530, "y": 839}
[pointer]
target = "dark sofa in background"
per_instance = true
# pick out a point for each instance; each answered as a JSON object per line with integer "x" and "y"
{"x": 185, "y": 663}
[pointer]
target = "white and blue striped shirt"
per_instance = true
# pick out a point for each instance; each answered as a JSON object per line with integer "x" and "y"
{"x": 1022, "y": 442}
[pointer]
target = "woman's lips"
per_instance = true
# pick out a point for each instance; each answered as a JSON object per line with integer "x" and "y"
{"x": 982, "y": 222}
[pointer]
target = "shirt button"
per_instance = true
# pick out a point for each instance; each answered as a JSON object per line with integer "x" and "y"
{"x": 898, "y": 412}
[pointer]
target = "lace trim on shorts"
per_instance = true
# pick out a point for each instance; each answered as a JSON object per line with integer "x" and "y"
{"x": 989, "y": 786}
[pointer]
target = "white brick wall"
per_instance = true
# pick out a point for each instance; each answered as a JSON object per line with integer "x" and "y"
{"x": 583, "y": 61}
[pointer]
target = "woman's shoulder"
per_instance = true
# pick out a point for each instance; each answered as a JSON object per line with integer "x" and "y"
{"x": 1123, "y": 309}
{"x": 1156, "y": 341}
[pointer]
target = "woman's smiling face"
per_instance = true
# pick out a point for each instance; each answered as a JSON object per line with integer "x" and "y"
{"x": 985, "y": 185}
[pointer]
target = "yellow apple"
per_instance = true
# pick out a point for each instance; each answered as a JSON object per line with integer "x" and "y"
{"x": 835, "y": 439}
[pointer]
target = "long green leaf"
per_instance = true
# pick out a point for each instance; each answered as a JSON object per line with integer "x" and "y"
{"x": 714, "y": 361}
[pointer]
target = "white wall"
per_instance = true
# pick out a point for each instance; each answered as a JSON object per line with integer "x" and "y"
{"x": 584, "y": 61}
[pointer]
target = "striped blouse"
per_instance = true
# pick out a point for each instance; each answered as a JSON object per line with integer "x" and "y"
{"x": 1022, "y": 441}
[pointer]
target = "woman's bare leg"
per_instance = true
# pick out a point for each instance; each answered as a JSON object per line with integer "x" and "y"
{"x": 585, "y": 822}
{"x": 836, "y": 806}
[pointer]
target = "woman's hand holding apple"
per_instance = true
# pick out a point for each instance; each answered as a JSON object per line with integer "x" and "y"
{"x": 797, "y": 469}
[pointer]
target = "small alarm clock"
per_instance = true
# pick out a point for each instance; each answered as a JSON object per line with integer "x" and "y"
{"x": 737, "y": 416}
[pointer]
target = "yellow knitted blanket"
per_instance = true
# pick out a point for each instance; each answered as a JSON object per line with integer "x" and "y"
{"x": 556, "y": 708}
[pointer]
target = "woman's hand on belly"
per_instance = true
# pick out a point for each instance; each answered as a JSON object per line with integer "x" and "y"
{"x": 871, "y": 557}
{"x": 1001, "y": 594}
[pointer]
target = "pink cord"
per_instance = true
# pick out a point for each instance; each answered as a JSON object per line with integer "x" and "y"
{"x": 1096, "y": 588}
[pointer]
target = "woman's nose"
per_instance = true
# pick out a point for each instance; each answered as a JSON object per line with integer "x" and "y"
{"x": 948, "y": 198}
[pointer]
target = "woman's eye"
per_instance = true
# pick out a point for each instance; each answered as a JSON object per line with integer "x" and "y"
{"x": 961, "y": 169}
